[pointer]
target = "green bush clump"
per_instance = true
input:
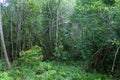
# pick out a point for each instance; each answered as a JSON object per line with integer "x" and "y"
{"x": 5, "y": 76}
{"x": 32, "y": 55}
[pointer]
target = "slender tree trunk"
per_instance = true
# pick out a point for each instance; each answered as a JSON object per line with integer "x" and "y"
{"x": 57, "y": 22}
{"x": 50, "y": 28}
{"x": 3, "y": 43}
{"x": 112, "y": 70}
{"x": 19, "y": 26}
{"x": 12, "y": 47}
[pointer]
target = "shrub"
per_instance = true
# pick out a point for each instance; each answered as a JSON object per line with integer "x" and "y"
{"x": 5, "y": 76}
{"x": 32, "y": 55}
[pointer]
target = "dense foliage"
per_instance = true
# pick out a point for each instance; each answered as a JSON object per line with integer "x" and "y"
{"x": 60, "y": 39}
{"x": 50, "y": 71}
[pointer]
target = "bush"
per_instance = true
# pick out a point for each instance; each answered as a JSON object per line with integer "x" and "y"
{"x": 5, "y": 76}
{"x": 32, "y": 55}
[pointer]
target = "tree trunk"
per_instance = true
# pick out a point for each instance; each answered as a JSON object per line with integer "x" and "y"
{"x": 3, "y": 42}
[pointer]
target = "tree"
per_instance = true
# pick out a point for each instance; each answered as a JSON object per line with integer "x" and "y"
{"x": 3, "y": 42}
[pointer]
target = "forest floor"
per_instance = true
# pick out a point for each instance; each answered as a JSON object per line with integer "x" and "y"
{"x": 50, "y": 71}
